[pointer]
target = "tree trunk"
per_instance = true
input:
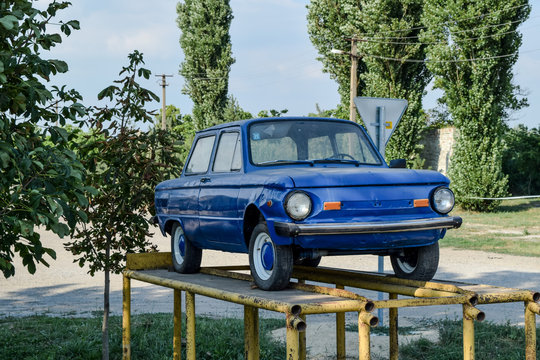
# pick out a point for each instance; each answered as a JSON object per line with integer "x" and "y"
{"x": 105, "y": 327}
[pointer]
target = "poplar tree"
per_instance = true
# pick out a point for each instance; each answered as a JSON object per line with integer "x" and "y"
{"x": 391, "y": 51}
{"x": 473, "y": 47}
{"x": 206, "y": 43}
{"x": 330, "y": 24}
{"x": 387, "y": 31}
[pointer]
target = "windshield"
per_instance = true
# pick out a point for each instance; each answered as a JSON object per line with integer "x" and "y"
{"x": 309, "y": 141}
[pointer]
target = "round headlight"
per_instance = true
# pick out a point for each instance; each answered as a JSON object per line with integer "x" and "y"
{"x": 443, "y": 200}
{"x": 298, "y": 205}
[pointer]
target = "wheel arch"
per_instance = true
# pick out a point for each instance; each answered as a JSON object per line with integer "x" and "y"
{"x": 252, "y": 216}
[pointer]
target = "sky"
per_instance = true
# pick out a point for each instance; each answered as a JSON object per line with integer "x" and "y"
{"x": 275, "y": 68}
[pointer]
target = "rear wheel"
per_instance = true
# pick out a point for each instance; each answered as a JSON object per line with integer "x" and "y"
{"x": 186, "y": 257}
{"x": 271, "y": 265}
{"x": 418, "y": 263}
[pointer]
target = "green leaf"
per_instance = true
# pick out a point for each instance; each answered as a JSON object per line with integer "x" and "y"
{"x": 61, "y": 66}
{"x": 9, "y": 22}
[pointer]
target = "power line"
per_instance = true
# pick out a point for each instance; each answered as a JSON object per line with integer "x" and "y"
{"x": 444, "y": 61}
{"x": 445, "y": 22}
{"x": 438, "y": 42}
{"x": 453, "y": 32}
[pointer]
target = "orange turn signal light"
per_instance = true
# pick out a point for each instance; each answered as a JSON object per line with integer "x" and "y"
{"x": 421, "y": 202}
{"x": 332, "y": 205}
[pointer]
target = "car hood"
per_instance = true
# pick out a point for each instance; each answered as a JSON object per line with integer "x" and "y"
{"x": 344, "y": 176}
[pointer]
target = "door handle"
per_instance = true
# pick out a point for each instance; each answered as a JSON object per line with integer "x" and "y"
{"x": 205, "y": 180}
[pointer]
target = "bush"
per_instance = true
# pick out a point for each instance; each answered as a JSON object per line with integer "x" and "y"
{"x": 521, "y": 160}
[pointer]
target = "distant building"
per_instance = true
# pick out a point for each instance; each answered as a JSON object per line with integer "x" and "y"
{"x": 438, "y": 145}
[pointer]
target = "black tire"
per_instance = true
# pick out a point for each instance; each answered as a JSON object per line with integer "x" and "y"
{"x": 271, "y": 265}
{"x": 186, "y": 257}
{"x": 308, "y": 262}
{"x": 418, "y": 263}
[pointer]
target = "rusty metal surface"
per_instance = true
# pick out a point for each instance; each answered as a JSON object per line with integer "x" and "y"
{"x": 234, "y": 284}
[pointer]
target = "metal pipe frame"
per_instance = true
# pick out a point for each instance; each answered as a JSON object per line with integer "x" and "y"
{"x": 191, "y": 353}
{"x": 251, "y": 333}
{"x": 340, "y": 332}
{"x": 177, "y": 325}
{"x": 423, "y": 293}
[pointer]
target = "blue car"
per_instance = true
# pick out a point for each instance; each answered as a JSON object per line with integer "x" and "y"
{"x": 290, "y": 190}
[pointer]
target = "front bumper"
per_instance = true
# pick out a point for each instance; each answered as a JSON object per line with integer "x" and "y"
{"x": 292, "y": 229}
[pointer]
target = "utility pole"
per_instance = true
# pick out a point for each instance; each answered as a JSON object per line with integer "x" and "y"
{"x": 354, "y": 79}
{"x": 163, "y": 107}
{"x": 354, "y": 73}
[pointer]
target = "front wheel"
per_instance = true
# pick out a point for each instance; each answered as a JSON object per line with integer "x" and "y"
{"x": 186, "y": 257}
{"x": 271, "y": 265}
{"x": 419, "y": 263}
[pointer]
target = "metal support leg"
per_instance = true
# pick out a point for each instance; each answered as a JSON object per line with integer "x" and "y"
{"x": 531, "y": 309}
{"x": 302, "y": 344}
{"x": 468, "y": 336}
{"x": 177, "y": 325}
{"x": 251, "y": 333}
{"x": 393, "y": 329}
{"x": 293, "y": 346}
{"x": 364, "y": 351}
{"x": 190, "y": 326}
{"x": 340, "y": 333}
{"x": 126, "y": 319}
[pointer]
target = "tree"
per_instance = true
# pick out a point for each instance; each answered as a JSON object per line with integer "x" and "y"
{"x": 41, "y": 181}
{"x": 208, "y": 57}
{"x": 392, "y": 39}
{"x": 172, "y": 117}
{"x": 330, "y": 24}
{"x": 124, "y": 166}
{"x": 474, "y": 45}
{"x": 233, "y": 111}
{"x": 387, "y": 33}
{"x": 521, "y": 160}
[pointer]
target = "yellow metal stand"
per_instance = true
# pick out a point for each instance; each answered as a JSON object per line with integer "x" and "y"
{"x": 232, "y": 284}
{"x": 251, "y": 333}
{"x": 177, "y": 325}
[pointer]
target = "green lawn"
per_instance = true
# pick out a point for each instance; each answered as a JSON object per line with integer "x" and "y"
{"x": 42, "y": 337}
{"x": 513, "y": 229}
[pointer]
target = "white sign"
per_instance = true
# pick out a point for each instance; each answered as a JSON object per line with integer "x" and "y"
{"x": 381, "y": 117}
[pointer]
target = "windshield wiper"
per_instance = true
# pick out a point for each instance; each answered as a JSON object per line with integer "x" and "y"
{"x": 285, "y": 162}
{"x": 336, "y": 161}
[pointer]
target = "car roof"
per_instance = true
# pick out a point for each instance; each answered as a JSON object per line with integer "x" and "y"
{"x": 243, "y": 123}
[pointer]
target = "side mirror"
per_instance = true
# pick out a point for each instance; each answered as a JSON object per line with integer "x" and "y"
{"x": 398, "y": 164}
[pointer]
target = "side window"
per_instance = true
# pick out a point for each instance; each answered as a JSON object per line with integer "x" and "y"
{"x": 228, "y": 154}
{"x": 200, "y": 159}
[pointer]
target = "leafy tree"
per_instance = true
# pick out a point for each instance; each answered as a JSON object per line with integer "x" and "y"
{"x": 387, "y": 30}
{"x": 124, "y": 166}
{"x": 473, "y": 45}
{"x": 330, "y": 24}
{"x": 272, "y": 113}
{"x": 41, "y": 180}
{"x": 172, "y": 116}
{"x": 392, "y": 39}
{"x": 233, "y": 111}
{"x": 208, "y": 57}
{"x": 521, "y": 160}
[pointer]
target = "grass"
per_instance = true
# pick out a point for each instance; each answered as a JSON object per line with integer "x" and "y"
{"x": 492, "y": 342}
{"x": 513, "y": 229}
{"x": 42, "y": 337}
